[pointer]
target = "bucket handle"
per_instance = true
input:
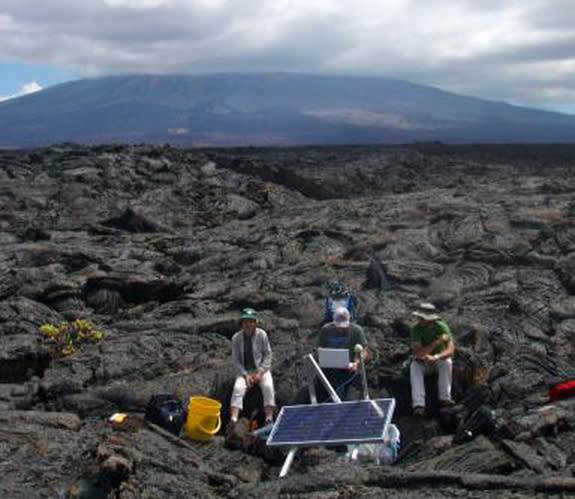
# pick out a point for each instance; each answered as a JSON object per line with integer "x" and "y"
{"x": 215, "y": 430}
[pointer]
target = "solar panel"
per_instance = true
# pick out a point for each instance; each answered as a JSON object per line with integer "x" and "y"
{"x": 333, "y": 423}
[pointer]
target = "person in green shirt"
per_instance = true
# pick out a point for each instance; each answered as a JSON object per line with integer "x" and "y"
{"x": 433, "y": 348}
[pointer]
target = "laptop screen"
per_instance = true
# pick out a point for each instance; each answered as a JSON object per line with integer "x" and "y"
{"x": 337, "y": 358}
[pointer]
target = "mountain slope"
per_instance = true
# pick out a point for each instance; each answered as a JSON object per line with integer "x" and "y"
{"x": 240, "y": 109}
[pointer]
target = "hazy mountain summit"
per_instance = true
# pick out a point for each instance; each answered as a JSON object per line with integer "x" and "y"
{"x": 266, "y": 109}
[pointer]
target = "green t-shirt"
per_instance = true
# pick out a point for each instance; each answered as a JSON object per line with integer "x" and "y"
{"x": 426, "y": 335}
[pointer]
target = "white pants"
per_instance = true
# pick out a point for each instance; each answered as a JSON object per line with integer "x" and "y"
{"x": 417, "y": 371}
{"x": 266, "y": 386}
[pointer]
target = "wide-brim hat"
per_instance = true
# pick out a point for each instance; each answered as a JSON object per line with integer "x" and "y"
{"x": 248, "y": 313}
{"x": 426, "y": 311}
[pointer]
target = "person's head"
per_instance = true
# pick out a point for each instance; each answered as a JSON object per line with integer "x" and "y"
{"x": 426, "y": 312}
{"x": 341, "y": 317}
{"x": 248, "y": 320}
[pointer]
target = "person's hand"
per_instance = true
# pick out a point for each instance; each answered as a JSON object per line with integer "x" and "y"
{"x": 256, "y": 378}
{"x": 249, "y": 380}
{"x": 429, "y": 359}
{"x": 353, "y": 366}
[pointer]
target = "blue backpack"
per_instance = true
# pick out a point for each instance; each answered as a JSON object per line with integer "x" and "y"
{"x": 338, "y": 296}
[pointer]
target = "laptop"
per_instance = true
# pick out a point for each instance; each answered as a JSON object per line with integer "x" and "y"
{"x": 335, "y": 358}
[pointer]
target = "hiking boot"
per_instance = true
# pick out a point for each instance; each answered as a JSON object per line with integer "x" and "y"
{"x": 419, "y": 411}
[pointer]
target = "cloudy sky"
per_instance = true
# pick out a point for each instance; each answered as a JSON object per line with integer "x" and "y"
{"x": 519, "y": 51}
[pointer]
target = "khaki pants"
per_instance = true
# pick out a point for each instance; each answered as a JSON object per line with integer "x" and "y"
{"x": 417, "y": 371}
{"x": 266, "y": 386}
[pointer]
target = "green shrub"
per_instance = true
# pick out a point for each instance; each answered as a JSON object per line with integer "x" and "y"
{"x": 67, "y": 337}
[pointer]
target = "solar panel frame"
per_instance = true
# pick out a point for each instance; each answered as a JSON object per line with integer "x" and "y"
{"x": 332, "y": 423}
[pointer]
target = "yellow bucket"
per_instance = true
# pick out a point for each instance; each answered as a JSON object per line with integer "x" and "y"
{"x": 204, "y": 419}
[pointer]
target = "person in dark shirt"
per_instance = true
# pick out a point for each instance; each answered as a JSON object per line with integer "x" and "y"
{"x": 342, "y": 334}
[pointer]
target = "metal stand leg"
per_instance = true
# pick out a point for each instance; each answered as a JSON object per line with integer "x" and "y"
{"x": 363, "y": 379}
{"x": 359, "y": 353}
{"x": 323, "y": 379}
{"x": 311, "y": 388}
{"x": 287, "y": 462}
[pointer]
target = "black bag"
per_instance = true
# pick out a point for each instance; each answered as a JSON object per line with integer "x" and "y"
{"x": 167, "y": 411}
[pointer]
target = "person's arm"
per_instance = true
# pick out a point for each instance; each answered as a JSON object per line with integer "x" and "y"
{"x": 447, "y": 339}
{"x": 421, "y": 351}
{"x": 416, "y": 345}
{"x": 266, "y": 353}
{"x": 359, "y": 339}
{"x": 447, "y": 353}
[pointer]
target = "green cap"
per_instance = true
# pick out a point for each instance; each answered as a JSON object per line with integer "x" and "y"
{"x": 248, "y": 313}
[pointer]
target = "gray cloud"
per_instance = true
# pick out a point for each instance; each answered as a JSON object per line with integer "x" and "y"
{"x": 520, "y": 51}
{"x": 552, "y": 15}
